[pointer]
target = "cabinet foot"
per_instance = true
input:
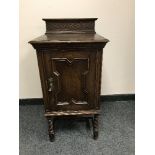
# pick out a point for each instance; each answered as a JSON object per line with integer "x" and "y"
{"x": 95, "y": 126}
{"x": 51, "y": 129}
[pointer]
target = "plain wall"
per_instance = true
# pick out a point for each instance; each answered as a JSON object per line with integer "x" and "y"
{"x": 115, "y": 22}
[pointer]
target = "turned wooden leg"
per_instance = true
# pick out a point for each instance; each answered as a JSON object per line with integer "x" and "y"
{"x": 51, "y": 128}
{"x": 95, "y": 126}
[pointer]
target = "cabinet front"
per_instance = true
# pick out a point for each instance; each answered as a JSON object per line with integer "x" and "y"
{"x": 70, "y": 79}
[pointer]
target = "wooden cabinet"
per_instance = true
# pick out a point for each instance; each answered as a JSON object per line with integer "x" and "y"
{"x": 70, "y": 61}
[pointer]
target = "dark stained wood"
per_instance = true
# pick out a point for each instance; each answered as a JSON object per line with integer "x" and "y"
{"x": 95, "y": 126}
{"x": 51, "y": 128}
{"x": 70, "y": 62}
{"x": 72, "y": 113}
{"x": 70, "y": 25}
{"x": 73, "y": 73}
{"x": 69, "y": 39}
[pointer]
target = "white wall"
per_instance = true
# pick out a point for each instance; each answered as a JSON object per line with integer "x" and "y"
{"x": 115, "y": 21}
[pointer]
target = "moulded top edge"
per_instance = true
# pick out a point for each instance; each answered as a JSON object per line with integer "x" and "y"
{"x": 58, "y": 19}
{"x": 69, "y": 38}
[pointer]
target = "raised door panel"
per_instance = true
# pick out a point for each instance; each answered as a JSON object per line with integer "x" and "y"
{"x": 70, "y": 76}
{"x": 70, "y": 79}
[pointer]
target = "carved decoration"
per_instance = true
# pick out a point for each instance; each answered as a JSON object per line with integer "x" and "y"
{"x": 51, "y": 129}
{"x": 67, "y": 113}
{"x": 69, "y": 26}
{"x": 95, "y": 126}
{"x": 58, "y": 75}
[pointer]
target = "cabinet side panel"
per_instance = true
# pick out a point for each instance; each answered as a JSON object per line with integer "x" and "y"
{"x": 43, "y": 79}
{"x": 98, "y": 76}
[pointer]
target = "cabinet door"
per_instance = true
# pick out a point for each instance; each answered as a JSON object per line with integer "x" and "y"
{"x": 70, "y": 79}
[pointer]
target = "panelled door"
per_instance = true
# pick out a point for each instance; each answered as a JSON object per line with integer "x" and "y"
{"x": 70, "y": 79}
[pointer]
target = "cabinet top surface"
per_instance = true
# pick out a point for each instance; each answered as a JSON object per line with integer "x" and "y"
{"x": 45, "y": 19}
{"x": 69, "y": 38}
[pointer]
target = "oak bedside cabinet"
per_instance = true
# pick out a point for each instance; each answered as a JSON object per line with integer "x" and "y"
{"x": 70, "y": 60}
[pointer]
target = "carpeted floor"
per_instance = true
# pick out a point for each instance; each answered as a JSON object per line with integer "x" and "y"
{"x": 116, "y": 132}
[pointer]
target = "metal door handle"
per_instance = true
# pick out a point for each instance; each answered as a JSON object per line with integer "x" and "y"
{"x": 50, "y": 82}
